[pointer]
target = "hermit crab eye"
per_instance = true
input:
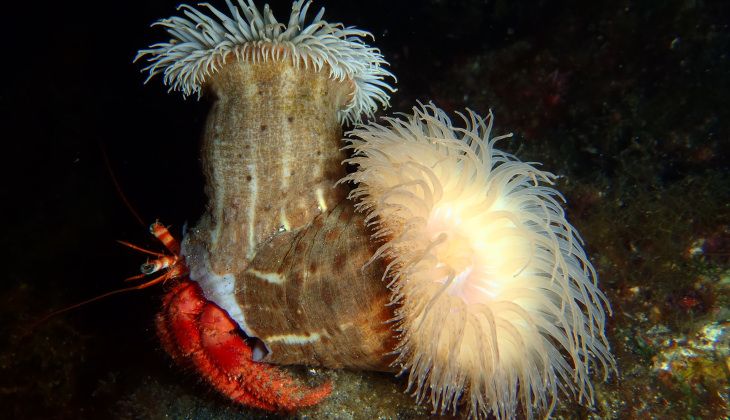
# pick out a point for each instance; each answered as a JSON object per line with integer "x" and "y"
{"x": 148, "y": 268}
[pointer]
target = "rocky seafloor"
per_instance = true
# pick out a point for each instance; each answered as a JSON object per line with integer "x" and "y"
{"x": 626, "y": 101}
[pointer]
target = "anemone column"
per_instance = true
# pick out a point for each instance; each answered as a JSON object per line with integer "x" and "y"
{"x": 271, "y": 156}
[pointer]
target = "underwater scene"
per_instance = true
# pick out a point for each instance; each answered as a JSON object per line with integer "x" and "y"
{"x": 366, "y": 210}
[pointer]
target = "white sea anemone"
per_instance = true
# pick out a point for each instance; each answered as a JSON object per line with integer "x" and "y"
{"x": 497, "y": 303}
{"x": 201, "y": 43}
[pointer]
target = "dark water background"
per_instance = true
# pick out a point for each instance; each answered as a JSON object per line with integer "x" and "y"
{"x": 628, "y": 101}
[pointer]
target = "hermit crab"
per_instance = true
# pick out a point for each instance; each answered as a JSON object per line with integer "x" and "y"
{"x": 437, "y": 256}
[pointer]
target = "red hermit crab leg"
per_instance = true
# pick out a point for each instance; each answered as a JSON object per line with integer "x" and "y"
{"x": 196, "y": 331}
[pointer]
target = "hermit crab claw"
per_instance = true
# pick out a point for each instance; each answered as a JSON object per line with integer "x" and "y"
{"x": 195, "y": 331}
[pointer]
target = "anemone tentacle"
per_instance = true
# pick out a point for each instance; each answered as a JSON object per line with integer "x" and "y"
{"x": 497, "y": 302}
{"x": 201, "y": 43}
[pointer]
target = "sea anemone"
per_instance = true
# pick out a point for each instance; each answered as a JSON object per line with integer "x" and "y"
{"x": 277, "y": 235}
{"x": 271, "y": 148}
{"x": 496, "y": 301}
{"x": 201, "y": 44}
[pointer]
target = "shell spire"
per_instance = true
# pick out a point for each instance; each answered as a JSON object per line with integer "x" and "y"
{"x": 201, "y": 43}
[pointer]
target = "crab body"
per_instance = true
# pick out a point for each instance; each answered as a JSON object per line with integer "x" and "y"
{"x": 198, "y": 333}
{"x": 308, "y": 297}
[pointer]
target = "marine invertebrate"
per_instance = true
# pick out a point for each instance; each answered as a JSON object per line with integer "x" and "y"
{"x": 497, "y": 301}
{"x": 273, "y": 134}
{"x": 271, "y": 155}
{"x": 198, "y": 333}
{"x": 493, "y": 297}
{"x": 202, "y": 44}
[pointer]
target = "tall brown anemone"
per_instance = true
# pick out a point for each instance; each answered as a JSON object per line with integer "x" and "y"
{"x": 279, "y": 247}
